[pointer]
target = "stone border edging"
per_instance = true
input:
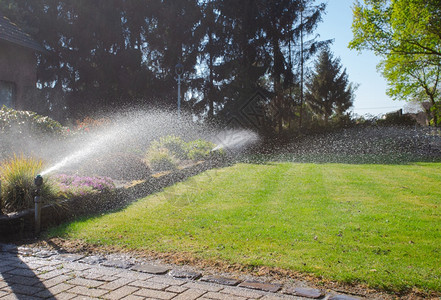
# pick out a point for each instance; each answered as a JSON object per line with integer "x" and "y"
{"x": 176, "y": 273}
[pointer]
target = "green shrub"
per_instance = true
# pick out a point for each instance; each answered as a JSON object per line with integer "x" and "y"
{"x": 18, "y": 128}
{"x": 172, "y": 143}
{"x": 218, "y": 154}
{"x": 167, "y": 151}
{"x": 161, "y": 160}
{"x": 396, "y": 118}
{"x": 28, "y": 123}
{"x": 17, "y": 176}
{"x": 199, "y": 149}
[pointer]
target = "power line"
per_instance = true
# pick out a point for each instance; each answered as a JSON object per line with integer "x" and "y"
{"x": 387, "y": 107}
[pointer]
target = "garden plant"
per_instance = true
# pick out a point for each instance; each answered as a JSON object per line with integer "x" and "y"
{"x": 167, "y": 152}
{"x": 17, "y": 181}
{"x": 358, "y": 214}
{"x": 18, "y": 190}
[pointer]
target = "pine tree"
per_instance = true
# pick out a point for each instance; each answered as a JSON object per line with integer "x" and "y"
{"x": 329, "y": 91}
{"x": 110, "y": 53}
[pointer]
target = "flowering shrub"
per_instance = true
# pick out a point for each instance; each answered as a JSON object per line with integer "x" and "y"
{"x": 88, "y": 124}
{"x": 74, "y": 185}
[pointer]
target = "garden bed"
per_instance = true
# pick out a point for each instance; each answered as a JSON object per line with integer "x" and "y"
{"x": 15, "y": 226}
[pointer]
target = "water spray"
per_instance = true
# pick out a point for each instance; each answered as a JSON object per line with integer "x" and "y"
{"x": 216, "y": 149}
{"x": 38, "y": 181}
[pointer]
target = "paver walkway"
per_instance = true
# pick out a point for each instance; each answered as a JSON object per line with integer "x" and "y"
{"x": 35, "y": 273}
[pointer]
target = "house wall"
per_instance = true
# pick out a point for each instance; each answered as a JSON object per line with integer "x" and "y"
{"x": 18, "y": 65}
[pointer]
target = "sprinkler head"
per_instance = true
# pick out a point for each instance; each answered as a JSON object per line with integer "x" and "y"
{"x": 38, "y": 181}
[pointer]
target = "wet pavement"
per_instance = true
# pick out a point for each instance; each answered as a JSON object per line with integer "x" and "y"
{"x": 39, "y": 273}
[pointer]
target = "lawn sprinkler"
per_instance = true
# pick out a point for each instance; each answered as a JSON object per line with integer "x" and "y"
{"x": 218, "y": 148}
{"x": 216, "y": 155}
{"x": 1, "y": 198}
{"x": 38, "y": 181}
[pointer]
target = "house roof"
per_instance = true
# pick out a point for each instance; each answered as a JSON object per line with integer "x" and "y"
{"x": 12, "y": 33}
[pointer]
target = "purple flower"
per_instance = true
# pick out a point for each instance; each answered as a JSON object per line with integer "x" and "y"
{"x": 74, "y": 185}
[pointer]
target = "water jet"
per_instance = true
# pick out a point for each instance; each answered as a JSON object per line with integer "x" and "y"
{"x": 234, "y": 139}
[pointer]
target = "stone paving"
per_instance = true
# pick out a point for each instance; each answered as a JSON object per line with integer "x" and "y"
{"x": 36, "y": 273}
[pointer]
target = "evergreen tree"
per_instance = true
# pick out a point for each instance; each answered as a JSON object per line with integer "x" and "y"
{"x": 93, "y": 55}
{"x": 108, "y": 53}
{"x": 329, "y": 91}
{"x": 262, "y": 47}
{"x": 211, "y": 51}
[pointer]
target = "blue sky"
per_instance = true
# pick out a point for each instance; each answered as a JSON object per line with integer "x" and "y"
{"x": 371, "y": 95}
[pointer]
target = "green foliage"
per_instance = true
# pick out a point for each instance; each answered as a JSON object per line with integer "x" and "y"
{"x": 27, "y": 123}
{"x": 396, "y": 119}
{"x": 166, "y": 153}
{"x": 194, "y": 150}
{"x": 329, "y": 91}
{"x": 17, "y": 177}
{"x": 174, "y": 144}
{"x": 435, "y": 111}
{"x": 411, "y": 77}
{"x": 405, "y": 33}
{"x": 397, "y": 27}
{"x": 161, "y": 159}
{"x": 199, "y": 149}
{"x": 96, "y": 59}
{"x": 24, "y": 127}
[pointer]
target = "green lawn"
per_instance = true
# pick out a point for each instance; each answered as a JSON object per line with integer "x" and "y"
{"x": 374, "y": 224}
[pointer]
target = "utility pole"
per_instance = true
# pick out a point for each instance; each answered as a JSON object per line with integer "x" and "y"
{"x": 301, "y": 66}
{"x": 179, "y": 70}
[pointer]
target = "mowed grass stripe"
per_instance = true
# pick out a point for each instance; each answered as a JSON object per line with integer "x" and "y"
{"x": 376, "y": 224}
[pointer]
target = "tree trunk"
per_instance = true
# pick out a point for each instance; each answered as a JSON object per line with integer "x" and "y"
{"x": 211, "y": 83}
